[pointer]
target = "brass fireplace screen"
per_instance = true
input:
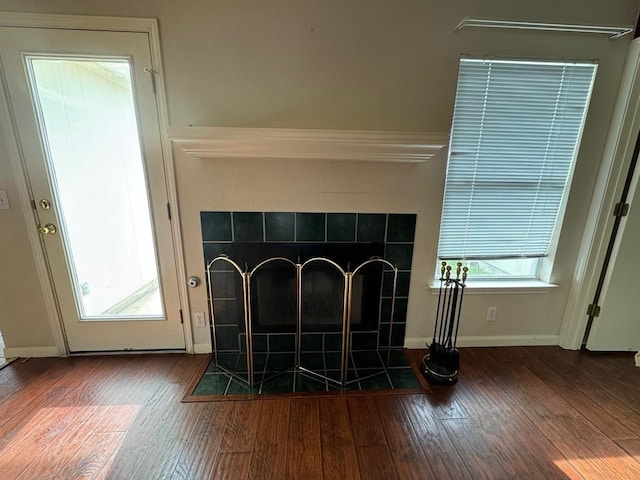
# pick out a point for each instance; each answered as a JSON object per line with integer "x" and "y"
{"x": 243, "y": 367}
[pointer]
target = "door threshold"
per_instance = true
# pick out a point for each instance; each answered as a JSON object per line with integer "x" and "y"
{"x": 6, "y": 362}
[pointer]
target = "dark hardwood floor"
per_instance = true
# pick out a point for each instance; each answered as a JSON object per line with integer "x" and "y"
{"x": 524, "y": 412}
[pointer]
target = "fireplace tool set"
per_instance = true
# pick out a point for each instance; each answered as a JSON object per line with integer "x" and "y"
{"x": 442, "y": 363}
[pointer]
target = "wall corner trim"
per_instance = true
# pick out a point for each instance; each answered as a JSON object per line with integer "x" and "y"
{"x": 307, "y": 144}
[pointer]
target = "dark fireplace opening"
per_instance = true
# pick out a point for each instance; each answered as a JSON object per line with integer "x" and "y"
{"x": 273, "y": 288}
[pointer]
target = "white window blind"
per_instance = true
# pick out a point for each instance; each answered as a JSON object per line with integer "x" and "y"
{"x": 514, "y": 138}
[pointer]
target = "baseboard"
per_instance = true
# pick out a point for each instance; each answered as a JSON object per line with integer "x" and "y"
{"x": 29, "y": 352}
{"x": 202, "y": 348}
{"x": 492, "y": 341}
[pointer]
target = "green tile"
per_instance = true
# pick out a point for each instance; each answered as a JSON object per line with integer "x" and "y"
{"x": 379, "y": 382}
{"x": 227, "y": 337}
{"x": 280, "y": 384}
{"x": 333, "y": 360}
{"x": 400, "y": 311}
{"x": 311, "y": 342}
{"x": 259, "y": 361}
{"x": 402, "y": 284}
{"x": 401, "y": 227}
{"x": 279, "y": 226}
{"x": 396, "y": 358}
{"x": 383, "y": 338}
{"x": 403, "y": 378}
{"x": 239, "y": 388}
{"x": 212, "y": 367}
{"x": 227, "y": 312}
{"x": 364, "y": 340}
{"x": 399, "y": 255}
{"x": 366, "y": 359}
{"x": 229, "y": 360}
{"x": 312, "y": 361}
{"x": 310, "y": 227}
{"x": 341, "y": 227}
{"x": 332, "y": 342}
{"x": 334, "y": 375}
{"x": 306, "y": 383}
{"x": 400, "y": 314}
{"x": 260, "y": 341}
{"x": 247, "y": 227}
{"x": 282, "y": 342}
{"x": 216, "y": 226}
{"x": 280, "y": 361}
{"x": 371, "y": 227}
{"x": 213, "y": 250}
{"x": 397, "y": 335}
{"x": 215, "y": 383}
{"x": 241, "y": 365}
{"x": 226, "y": 284}
{"x": 212, "y": 384}
{"x": 338, "y": 388}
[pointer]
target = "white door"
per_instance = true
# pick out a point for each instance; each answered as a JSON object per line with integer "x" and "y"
{"x": 84, "y": 108}
{"x": 617, "y": 328}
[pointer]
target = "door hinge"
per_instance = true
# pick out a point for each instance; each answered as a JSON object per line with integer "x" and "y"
{"x": 593, "y": 310}
{"x": 181, "y": 317}
{"x": 621, "y": 210}
{"x": 169, "y": 210}
{"x": 153, "y": 78}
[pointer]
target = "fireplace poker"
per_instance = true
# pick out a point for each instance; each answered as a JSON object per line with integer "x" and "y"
{"x": 435, "y": 325}
{"x": 464, "y": 281}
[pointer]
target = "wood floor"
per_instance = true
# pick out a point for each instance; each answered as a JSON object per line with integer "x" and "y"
{"x": 526, "y": 412}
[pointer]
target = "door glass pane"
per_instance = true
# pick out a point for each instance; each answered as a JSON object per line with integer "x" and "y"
{"x": 87, "y": 114}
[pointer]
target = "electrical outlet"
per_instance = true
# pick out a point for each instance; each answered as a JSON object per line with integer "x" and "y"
{"x": 199, "y": 319}
{"x": 4, "y": 200}
{"x": 492, "y": 312}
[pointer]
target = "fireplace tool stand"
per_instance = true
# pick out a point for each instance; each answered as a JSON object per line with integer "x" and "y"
{"x": 442, "y": 363}
{"x": 346, "y": 375}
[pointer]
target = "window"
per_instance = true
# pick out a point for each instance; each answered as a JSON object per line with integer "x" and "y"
{"x": 514, "y": 138}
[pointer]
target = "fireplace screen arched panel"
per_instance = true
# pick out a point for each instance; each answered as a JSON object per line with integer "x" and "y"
{"x": 312, "y": 306}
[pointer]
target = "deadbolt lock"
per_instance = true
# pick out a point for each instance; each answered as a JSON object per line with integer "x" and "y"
{"x": 45, "y": 204}
{"x": 48, "y": 229}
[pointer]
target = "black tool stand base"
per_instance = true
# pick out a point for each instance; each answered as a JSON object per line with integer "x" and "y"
{"x": 441, "y": 367}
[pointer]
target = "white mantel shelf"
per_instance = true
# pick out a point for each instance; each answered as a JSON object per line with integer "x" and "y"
{"x": 283, "y": 143}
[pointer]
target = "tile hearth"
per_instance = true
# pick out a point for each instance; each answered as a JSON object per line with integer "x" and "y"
{"x": 398, "y": 376}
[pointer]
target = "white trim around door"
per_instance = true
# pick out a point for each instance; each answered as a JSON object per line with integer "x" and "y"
{"x": 78, "y": 22}
{"x": 623, "y": 131}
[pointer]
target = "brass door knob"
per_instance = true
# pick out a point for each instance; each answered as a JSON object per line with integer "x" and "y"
{"x": 48, "y": 229}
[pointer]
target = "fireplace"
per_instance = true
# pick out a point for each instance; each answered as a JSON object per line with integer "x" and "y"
{"x": 346, "y": 239}
{"x": 273, "y": 300}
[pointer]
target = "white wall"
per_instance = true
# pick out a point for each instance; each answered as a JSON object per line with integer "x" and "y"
{"x": 362, "y": 65}
{"x": 23, "y": 314}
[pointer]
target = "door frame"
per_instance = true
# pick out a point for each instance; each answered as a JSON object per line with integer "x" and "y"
{"x": 623, "y": 132}
{"x": 7, "y": 124}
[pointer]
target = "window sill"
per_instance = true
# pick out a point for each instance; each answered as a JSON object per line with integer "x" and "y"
{"x": 513, "y": 287}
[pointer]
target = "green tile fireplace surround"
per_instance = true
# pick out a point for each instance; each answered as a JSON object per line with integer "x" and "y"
{"x": 391, "y": 235}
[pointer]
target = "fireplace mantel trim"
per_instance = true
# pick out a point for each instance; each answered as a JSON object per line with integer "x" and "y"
{"x": 306, "y": 144}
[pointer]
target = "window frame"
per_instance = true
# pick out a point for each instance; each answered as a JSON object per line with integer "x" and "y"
{"x": 542, "y": 271}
